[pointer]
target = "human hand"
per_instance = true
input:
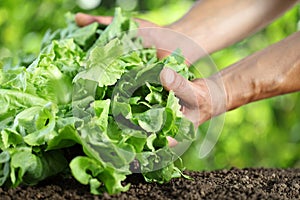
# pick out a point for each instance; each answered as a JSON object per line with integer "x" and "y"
{"x": 86, "y": 19}
{"x": 190, "y": 93}
{"x": 144, "y": 31}
{"x": 201, "y": 99}
{"x": 163, "y": 38}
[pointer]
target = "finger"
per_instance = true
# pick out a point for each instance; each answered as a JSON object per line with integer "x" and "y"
{"x": 171, "y": 141}
{"x": 161, "y": 53}
{"x": 82, "y": 19}
{"x": 182, "y": 88}
{"x": 105, "y": 20}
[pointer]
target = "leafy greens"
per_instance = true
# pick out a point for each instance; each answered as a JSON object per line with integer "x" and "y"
{"x": 100, "y": 90}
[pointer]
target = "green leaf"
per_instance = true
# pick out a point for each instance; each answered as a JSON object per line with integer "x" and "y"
{"x": 30, "y": 169}
{"x": 67, "y": 136}
{"x": 52, "y": 72}
{"x": 137, "y": 140}
{"x": 103, "y": 94}
{"x": 152, "y": 120}
{"x": 162, "y": 175}
{"x": 4, "y": 167}
{"x": 121, "y": 25}
{"x": 121, "y": 108}
{"x": 13, "y": 79}
{"x": 85, "y": 36}
{"x": 102, "y": 64}
{"x": 149, "y": 142}
{"x": 155, "y": 95}
{"x": 173, "y": 104}
{"x": 44, "y": 124}
{"x": 10, "y": 138}
{"x": 84, "y": 169}
{"x": 176, "y": 61}
{"x": 101, "y": 111}
{"x": 112, "y": 180}
{"x": 12, "y": 102}
{"x": 89, "y": 171}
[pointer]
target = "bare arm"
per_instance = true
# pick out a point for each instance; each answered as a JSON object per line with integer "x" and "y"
{"x": 267, "y": 73}
{"x": 210, "y": 24}
{"x": 215, "y": 24}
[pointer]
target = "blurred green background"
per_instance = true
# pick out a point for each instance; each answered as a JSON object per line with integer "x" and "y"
{"x": 261, "y": 134}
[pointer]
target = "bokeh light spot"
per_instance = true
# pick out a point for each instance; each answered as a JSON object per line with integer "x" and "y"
{"x": 88, "y": 5}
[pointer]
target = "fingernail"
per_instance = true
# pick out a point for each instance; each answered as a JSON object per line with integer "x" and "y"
{"x": 168, "y": 75}
{"x": 172, "y": 142}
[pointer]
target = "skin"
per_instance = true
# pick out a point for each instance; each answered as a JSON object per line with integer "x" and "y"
{"x": 213, "y": 25}
{"x": 219, "y": 24}
{"x": 267, "y": 73}
{"x": 225, "y": 22}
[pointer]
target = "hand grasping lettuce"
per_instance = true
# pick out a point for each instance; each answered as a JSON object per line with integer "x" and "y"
{"x": 99, "y": 89}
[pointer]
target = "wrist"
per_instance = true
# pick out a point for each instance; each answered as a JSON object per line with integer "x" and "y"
{"x": 217, "y": 94}
{"x": 238, "y": 88}
{"x": 244, "y": 83}
{"x": 212, "y": 97}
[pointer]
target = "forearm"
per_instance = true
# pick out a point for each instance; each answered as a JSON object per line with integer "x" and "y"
{"x": 215, "y": 24}
{"x": 267, "y": 73}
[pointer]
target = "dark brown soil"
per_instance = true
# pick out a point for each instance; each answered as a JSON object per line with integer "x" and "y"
{"x": 221, "y": 184}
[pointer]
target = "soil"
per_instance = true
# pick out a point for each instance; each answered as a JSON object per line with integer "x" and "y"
{"x": 248, "y": 183}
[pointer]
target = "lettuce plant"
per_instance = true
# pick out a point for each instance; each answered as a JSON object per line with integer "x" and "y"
{"x": 98, "y": 89}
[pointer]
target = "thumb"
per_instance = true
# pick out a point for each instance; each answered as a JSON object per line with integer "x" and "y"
{"x": 182, "y": 87}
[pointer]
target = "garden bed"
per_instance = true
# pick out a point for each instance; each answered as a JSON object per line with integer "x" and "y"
{"x": 249, "y": 183}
